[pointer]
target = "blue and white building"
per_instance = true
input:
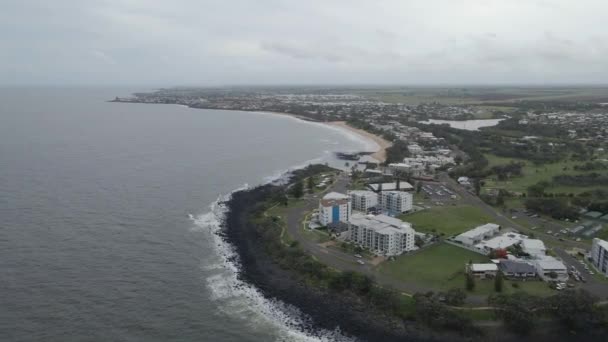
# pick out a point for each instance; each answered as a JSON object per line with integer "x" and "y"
{"x": 333, "y": 208}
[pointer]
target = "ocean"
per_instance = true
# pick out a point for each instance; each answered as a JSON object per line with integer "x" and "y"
{"x": 109, "y": 214}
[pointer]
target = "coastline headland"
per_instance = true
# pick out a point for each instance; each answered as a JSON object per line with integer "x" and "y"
{"x": 323, "y": 309}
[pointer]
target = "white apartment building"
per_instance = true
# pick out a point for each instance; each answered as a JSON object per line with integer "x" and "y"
{"x": 478, "y": 234}
{"x": 381, "y": 234}
{"x": 334, "y": 207}
{"x": 362, "y": 200}
{"x": 599, "y": 255}
{"x": 395, "y": 202}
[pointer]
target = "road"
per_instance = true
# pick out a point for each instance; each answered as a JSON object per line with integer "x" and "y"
{"x": 502, "y": 220}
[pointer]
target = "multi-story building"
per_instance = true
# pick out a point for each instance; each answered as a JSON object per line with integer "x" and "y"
{"x": 333, "y": 208}
{"x": 394, "y": 203}
{"x": 381, "y": 234}
{"x": 362, "y": 200}
{"x": 599, "y": 255}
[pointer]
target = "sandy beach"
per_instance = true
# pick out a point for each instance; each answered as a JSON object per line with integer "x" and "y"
{"x": 383, "y": 143}
{"x": 380, "y": 155}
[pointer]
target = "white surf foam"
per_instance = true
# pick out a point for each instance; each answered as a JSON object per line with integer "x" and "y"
{"x": 238, "y": 299}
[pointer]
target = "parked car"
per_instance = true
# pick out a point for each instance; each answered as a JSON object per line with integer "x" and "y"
{"x": 360, "y": 262}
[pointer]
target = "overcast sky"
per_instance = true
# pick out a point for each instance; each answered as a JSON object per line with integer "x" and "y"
{"x": 198, "y": 42}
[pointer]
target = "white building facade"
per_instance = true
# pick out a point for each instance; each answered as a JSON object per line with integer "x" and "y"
{"x": 333, "y": 208}
{"x": 478, "y": 234}
{"x": 599, "y": 255}
{"x": 394, "y": 203}
{"x": 362, "y": 200}
{"x": 381, "y": 234}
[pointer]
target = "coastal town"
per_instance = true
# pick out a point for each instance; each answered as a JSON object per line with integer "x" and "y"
{"x": 463, "y": 205}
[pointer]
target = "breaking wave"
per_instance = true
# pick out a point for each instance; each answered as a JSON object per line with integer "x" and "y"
{"x": 236, "y": 298}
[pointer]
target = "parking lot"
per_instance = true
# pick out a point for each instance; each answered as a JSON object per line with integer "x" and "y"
{"x": 438, "y": 193}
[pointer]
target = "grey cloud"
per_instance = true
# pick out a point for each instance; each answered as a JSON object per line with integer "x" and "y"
{"x": 318, "y": 41}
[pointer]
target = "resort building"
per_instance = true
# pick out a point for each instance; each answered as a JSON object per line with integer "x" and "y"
{"x": 381, "y": 234}
{"x": 478, "y": 234}
{"x": 361, "y": 200}
{"x": 334, "y": 208}
{"x": 599, "y": 255}
{"x": 517, "y": 269}
{"x": 533, "y": 247}
{"x": 394, "y": 203}
{"x": 483, "y": 271}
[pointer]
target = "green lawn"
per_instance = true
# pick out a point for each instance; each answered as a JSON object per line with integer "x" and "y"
{"x": 533, "y": 174}
{"x": 441, "y": 267}
{"x": 435, "y": 266}
{"x": 450, "y": 220}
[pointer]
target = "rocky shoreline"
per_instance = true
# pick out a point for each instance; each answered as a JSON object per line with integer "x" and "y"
{"x": 324, "y": 310}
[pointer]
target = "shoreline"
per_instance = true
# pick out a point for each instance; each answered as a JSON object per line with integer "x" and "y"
{"x": 381, "y": 143}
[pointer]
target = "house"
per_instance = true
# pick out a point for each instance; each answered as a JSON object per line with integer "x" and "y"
{"x": 362, "y": 200}
{"x": 517, "y": 269}
{"x": 334, "y": 207}
{"x": 477, "y": 234}
{"x": 381, "y": 234}
{"x": 551, "y": 269}
{"x": 599, "y": 255}
{"x": 394, "y": 203}
{"x": 483, "y": 271}
{"x": 533, "y": 247}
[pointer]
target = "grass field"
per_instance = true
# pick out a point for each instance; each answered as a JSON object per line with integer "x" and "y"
{"x": 435, "y": 266}
{"x": 533, "y": 174}
{"x": 441, "y": 267}
{"x": 449, "y": 220}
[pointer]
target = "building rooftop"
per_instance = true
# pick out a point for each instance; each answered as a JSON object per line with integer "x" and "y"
{"x": 532, "y": 244}
{"x": 381, "y": 223}
{"x": 483, "y": 229}
{"x": 335, "y": 196}
{"x": 501, "y": 241}
{"x": 513, "y": 266}
{"x": 391, "y": 186}
{"x": 601, "y": 243}
{"x": 483, "y": 267}
{"x": 362, "y": 192}
{"x": 549, "y": 263}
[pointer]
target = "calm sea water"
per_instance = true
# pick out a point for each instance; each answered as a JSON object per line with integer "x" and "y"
{"x": 96, "y": 238}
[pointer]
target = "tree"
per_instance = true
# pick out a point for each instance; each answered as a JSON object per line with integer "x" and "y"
{"x": 297, "y": 190}
{"x": 498, "y": 282}
{"x": 310, "y": 183}
{"x": 455, "y": 297}
{"x": 518, "y": 311}
{"x": 418, "y": 187}
{"x": 576, "y": 309}
{"x": 477, "y": 185}
{"x": 469, "y": 282}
